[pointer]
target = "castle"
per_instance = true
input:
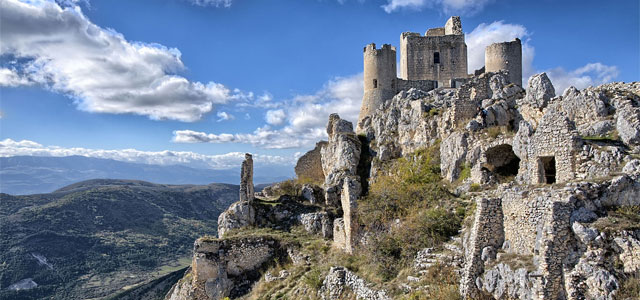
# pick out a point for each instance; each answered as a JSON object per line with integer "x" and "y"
{"x": 437, "y": 59}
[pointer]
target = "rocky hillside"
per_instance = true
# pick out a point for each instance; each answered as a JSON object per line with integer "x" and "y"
{"x": 94, "y": 238}
{"x": 486, "y": 191}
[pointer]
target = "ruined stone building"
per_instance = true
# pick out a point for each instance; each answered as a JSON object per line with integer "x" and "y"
{"x": 436, "y": 60}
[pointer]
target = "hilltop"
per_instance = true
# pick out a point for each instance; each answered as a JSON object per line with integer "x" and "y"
{"x": 94, "y": 238}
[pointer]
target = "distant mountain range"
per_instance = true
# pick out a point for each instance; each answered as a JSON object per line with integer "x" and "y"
{"x": 21, "y": 175}
{"x": 99, "y": 238}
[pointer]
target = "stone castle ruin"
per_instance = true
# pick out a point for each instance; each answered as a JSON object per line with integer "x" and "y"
{"x": 437, "y": 59}
{"x": 542, "y": 169}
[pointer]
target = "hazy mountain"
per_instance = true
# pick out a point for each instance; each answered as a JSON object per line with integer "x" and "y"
{"x": 93, "y": 238}
{"x": 20, "y": 175}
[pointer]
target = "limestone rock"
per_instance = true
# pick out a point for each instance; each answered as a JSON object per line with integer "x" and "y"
{"x": 632, "y": 167}
{"x": 453, "y": 151}
{"x": 628, "y": 122}
{"x": 539, "y": 91}
{"x": 584, "y": 234}
{"x": 629, "y": 249}
{"x": 311, "y": 193}
{"x": 340, "y": 156}
{"x": 239, "y": 214}
{"x": 317, "y": 223}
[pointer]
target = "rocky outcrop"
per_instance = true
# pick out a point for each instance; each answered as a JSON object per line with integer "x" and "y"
{"x": 238, "y": 215}
{"x": 225, "y": 268}
{"x": 340, "y": 157}
{"x": 540, "y": 91}
{"x": 319, "y": 223}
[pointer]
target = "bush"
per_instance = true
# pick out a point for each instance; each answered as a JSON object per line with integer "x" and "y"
{"x": 408, "y": 210}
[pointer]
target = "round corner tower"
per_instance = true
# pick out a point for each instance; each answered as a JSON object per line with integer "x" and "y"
{"x": 380, "y": 76}
{"x": 505, "y": 56}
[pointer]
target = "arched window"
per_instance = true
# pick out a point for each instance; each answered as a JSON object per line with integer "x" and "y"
{"x": 375, "y": 83}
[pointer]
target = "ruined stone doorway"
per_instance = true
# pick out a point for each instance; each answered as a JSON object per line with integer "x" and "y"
{"x": 548, "y": 169}
{"x": 502, "y": 162}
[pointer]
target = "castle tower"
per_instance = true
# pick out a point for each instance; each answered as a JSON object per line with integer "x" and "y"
{"x": 439, "y": 55}
{"x": 379, "y": 77}
{"x": 505, "y": 56}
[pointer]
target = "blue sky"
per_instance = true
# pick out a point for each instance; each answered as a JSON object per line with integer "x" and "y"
{"x": 198, "y": 82}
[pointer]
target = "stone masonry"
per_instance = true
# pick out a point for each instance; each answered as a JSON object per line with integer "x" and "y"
{"x": 246, "y": 179}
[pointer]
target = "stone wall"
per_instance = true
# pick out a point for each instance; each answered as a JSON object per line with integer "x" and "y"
{"x": 246, "y": 179}
{"x": 423, "y": 85}
{"x": 557, "y": 138}
{"x": 309, "y": 166}
{"x": 505, "y": 56}
{"x": 487, "y": 231}
{"x": 417, "y": 57}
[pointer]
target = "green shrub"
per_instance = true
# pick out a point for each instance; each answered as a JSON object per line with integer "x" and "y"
{"x": 465, "y": 172}
{"x": 408, "y": 210}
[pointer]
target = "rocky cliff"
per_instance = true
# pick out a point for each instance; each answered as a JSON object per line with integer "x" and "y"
{"x": 486, "y": 191}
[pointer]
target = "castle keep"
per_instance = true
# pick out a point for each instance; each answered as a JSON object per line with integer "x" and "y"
{"x": 436, "y": 60}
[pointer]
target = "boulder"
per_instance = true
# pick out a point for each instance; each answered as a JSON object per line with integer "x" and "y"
{"x": 539, "y": 91}
{"x": 239, "y": 214}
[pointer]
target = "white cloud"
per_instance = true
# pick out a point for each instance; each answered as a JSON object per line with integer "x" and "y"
{"x": 486, "y": 34}
{"x": 589, "y": 75}
{"x": 224, "y": 116}
{"x": 215, "y": 3}
{"x": 10, "y": 77}
{"x": 60, "y": 48}
{"x": 275, "y": 117}
{"x": 306, "y": 118}
{"x": 468, "y": 7}
{"x": 9, "y": 147}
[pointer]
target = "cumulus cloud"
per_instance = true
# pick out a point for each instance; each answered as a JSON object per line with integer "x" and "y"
{"x": 224, "y": 116}
{"x": 58, "y": 47}
{"x": 591, "y": 74}
{"x": 305, "y": 117}
{"x": 468, "y": 7}
{"x": 275, "y": 117}
{"x": 11, "y": 78}
{"x": 9, "y": 147}
{"x": 486, "y": 34}
{"x": 214, "y": 3}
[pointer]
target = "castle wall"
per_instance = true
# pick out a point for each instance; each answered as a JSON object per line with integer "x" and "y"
{"x": 379, "y": 77}
{"x": 423, "y": 85}
{"x": 505, "y": 56}
{"x": 309, "y": 166}
{"x": 417, "y": 58}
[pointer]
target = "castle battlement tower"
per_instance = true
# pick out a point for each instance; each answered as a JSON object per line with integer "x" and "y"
{"x": 440, "y": 55}
{"x": 505, "y": 56}
{"x": 380, "y": 74}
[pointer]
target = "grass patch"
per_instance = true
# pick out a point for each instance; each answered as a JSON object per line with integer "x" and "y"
{"x": 407, "y": 210}
{"x": 612, "y": 136}
{"x": 619, "y": 218}
{"x": 629, "y": 287}
{"x": 440, "y": 283}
